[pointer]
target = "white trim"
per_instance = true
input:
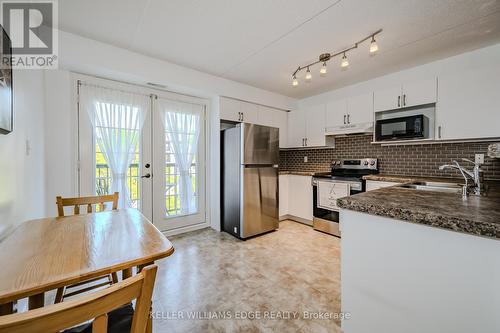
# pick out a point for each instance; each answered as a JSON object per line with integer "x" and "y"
{"x": 188, "y": 228}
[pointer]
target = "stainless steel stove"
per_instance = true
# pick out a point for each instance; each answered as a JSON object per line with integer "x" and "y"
{"x": 345, "y": 179}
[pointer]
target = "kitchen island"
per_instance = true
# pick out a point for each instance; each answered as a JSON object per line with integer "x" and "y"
{"x": 420, "y": 261}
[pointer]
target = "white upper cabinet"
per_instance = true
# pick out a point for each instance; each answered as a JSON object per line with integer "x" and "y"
{"x": 469, "y": 104}
{"x": 296, "y": 128}
{"x": 275, "y": 118}
{"x": 360, "y": 109}
{"x": 336, "y": 113}
{"x": 350, "y": 115}
{"x": 239, "y": 111}
{"x": 419, "y": 92}
{"x": 407, "y": 94}
{"x": 230, "y": 109}
{"x": 306, "y": 127}
{"x": 315, "y": 126}
{"x": 250, "y": 113}
{"x": 387, "y": 99}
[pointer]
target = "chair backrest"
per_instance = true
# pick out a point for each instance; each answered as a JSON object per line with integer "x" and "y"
{"x": 56, "y": 317}
{"x": 88, "y": 201}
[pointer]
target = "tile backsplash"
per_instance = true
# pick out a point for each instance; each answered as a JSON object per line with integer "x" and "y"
{"x": 409, "y": 160}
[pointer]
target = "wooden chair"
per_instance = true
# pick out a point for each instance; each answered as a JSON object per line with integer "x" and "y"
{"x": 98, "y": 306}
{"x": 87, "y": 201}
{"x": 76, "y": 203}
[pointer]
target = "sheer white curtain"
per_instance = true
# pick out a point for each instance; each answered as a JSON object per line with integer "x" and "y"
{"x": 182, "y": 129}
{"x": 117, "y": 118}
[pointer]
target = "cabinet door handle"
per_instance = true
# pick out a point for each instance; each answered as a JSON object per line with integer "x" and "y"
{"x": 399, "y": 101}
{"x": 305, "y": 141}
{"x": 344, "y": 119}
{"x": 348, "y": 120}
{"x": 439, "y": 132}
{"x": 242, "y": 116}
{"x": 239, "y": 116}
{"x": 404, "y": 100}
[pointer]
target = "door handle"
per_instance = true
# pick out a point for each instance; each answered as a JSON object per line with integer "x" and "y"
{"x": 148, "y": 175}
{"x": 399, "y": 101}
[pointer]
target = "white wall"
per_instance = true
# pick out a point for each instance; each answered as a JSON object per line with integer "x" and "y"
{"x": 482, "y": 58}
{"x": 82, "y": 55}
{"x": 60, "y": 138}
{"x": 22, "y": 177}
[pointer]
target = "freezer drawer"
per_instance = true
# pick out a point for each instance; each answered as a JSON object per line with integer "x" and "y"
{"x": 260, "y": 200}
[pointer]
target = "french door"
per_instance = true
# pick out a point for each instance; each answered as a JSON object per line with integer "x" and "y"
{"x": 178, "y": 146}
{"x": 166, "y": 176}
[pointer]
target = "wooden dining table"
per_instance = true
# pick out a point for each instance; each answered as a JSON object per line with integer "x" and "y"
{"x": 45, "y": 254}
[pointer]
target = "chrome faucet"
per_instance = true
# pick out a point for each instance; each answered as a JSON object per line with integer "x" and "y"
{"x": 467, "y": 174}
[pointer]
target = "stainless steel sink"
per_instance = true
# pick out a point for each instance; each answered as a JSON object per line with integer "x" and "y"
{"x": 434, "y": 186}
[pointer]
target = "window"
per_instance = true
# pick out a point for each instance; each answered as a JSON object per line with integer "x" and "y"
{"x": 172, "y": 173}
{"x": 103, "y": 176}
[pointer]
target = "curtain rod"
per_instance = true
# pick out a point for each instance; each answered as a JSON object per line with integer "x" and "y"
{"x": 83, "y": 83}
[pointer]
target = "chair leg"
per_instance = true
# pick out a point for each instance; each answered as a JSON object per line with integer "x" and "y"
{"x": 149, "y": 326}
{"x": 59, "y": 295}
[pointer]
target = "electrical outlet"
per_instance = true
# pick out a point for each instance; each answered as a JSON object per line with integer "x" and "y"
{"x": 480, "y": 158}
{"x": 305, "y": 159}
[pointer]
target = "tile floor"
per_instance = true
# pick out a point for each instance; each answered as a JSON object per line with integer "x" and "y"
{"x": 214, "y": 275}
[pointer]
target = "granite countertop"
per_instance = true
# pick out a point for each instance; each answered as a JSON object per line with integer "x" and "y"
{"x": 299, "y": 173}
{"x": 477, "y": 215}
{"x": 410, "y": 179}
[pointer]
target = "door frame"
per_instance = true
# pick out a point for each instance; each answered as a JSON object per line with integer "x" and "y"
{"x": 83, "y": 151}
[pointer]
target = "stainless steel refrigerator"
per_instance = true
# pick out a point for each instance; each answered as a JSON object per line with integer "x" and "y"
{"x": 249, "y": 166}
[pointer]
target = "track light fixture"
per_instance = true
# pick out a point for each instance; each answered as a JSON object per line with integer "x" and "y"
{"x": 325, "y": 57}
{"x": 323, "y": 69}
{"x": 308, "y": 75}
{"x": 373, "y": 46}
{"x": 345, "y": 62}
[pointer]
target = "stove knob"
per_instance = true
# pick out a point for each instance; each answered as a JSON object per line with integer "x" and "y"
{"x": 372, "y": 163}
{"x": 366, "y": 163}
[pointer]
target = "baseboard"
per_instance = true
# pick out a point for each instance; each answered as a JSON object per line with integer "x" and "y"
{"x": 189, "y": 228}
{"x": 296, "y": 219}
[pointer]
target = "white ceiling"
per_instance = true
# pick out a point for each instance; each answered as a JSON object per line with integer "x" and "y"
{"x": 261, "y": 42}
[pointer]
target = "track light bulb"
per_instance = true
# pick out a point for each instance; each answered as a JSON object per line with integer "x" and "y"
{"x": 345, "y": 62}
{"x": 323, "y": 69}
{"x": 373, "y": 46}
{"x": 308, "y": 75}
{"x": 295, "y": 82}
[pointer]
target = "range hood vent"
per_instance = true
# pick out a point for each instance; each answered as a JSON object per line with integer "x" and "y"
{"x": 349, "y": 129}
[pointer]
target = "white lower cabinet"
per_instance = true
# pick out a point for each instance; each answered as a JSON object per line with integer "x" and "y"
{"x": 375, "y": 184}
{"x": 283, "y": 195}
{"x": 300, "y": 197}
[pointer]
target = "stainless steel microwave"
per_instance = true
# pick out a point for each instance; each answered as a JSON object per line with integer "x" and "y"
{"x": 410, "y": 127}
